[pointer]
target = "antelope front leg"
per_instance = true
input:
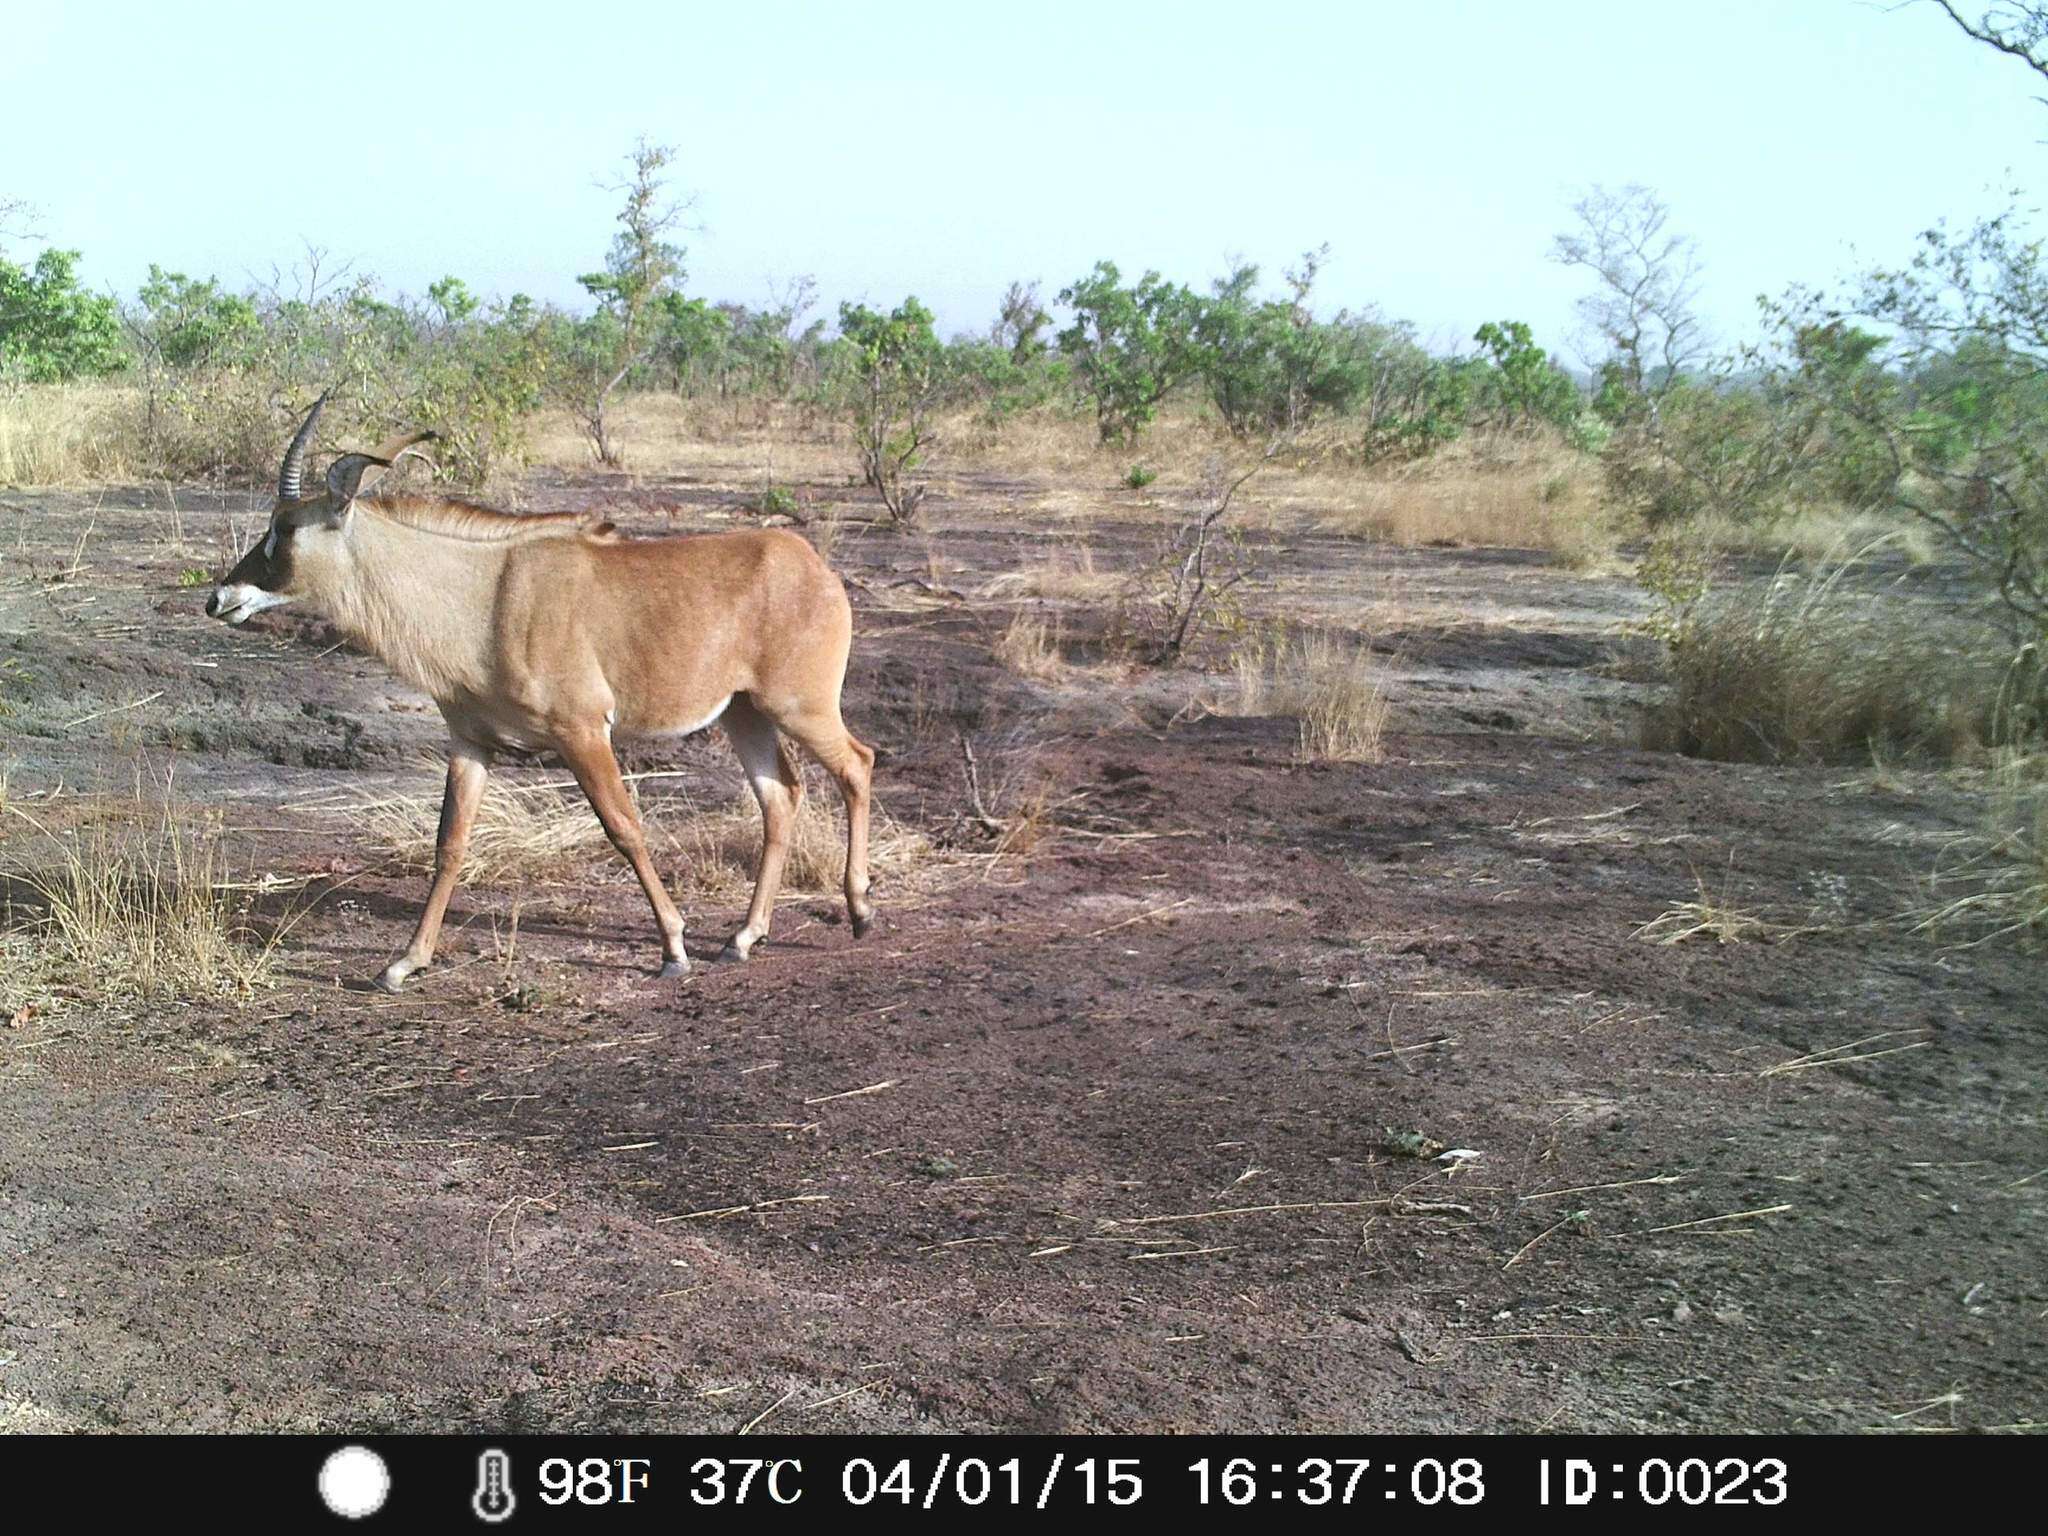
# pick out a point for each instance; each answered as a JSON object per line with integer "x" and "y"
{"x": 597, "y": 771}
{"x": 467, "y": 769}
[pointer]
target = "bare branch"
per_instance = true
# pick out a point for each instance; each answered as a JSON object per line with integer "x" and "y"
{"x": 2015, "y": 30}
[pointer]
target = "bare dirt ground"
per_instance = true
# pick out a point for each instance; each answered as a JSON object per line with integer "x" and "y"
{"x": 1115, "y": 1134}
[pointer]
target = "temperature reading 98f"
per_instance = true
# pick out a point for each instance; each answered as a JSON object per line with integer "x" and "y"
{"x": 592, "y": 1481}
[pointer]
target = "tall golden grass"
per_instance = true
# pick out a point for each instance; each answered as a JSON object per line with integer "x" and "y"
{"x": 71, "y": 434}
{"x": 1817, "y": 534}
{"x": 1807, "y": 666}
{"x": 1506, "y": 491}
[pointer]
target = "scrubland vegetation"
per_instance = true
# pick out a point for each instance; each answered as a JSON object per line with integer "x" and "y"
{"x": 1525, "y": 860}
{"x": 1897, "y": 416}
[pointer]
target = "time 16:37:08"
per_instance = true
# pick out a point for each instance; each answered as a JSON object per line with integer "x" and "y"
{"x": 1318, "y": 1481}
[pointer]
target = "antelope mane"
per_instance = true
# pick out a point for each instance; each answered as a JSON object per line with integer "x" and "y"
{"x": 472, "y": 523}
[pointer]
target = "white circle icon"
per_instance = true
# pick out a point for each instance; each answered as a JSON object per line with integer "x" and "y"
{"x": 354, "y": 1482}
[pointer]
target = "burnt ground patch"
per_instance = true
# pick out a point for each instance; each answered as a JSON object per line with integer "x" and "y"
{"x": 1115, "y": 1135}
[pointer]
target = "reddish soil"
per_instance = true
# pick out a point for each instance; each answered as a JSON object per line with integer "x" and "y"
{"x": 1124, "y": 1160}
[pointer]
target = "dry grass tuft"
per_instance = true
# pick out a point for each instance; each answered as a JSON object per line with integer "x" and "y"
{"x": 824, "y": 530}
{"x": 537, "y": 834}
{"x": 523, "y": 833}
{"x": 1807, "y": 667}
{"x": 1065, "y": 573}
{"x": 1711, "y": 916}
{"x": 738, "y": 444}
{"x": 1332, "y": 686}
{"x": 1055, "y": 440}
{"x": 1030, "y": 647}
{"x": 1997, "y": 884}
{"x": 718, "y": 849}
{"x": 139, "y": 904}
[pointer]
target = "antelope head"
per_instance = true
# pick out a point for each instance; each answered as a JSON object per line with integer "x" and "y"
{"x": 304, "y": 550}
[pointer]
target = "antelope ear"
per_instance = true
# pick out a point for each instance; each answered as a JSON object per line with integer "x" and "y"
{"x": 392, "y": 449}
{"x": 347, "y": 478}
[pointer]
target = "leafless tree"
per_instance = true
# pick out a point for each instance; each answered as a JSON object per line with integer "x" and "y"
{"x": 312, "y": 276}
{"x": 1641, "y": 313}
{"x": 17, "y": 219}
{"x": 1202, "y": 564}
{"x": 2015, "y": 29}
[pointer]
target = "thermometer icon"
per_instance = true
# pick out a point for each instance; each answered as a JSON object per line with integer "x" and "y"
{"x": 493, "y": 1499}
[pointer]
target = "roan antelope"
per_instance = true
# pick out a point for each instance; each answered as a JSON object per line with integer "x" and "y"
{"x": 551, "y": 633}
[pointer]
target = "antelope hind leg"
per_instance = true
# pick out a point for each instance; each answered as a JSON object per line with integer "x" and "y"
{"x": 851, "y": 762}
{"x": 780, "y": 790}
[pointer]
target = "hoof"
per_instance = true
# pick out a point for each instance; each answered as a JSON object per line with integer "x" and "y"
{"x": 679, "y": 966}
{"x": 732, "y": 954}
{"x": 390, "y": 980}
{"x": 861, "y": 924}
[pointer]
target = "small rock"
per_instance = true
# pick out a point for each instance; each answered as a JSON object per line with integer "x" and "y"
{"x": 1410, "y": 1143}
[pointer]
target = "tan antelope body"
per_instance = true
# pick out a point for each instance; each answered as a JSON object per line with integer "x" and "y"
{"x": 551, "y": 633}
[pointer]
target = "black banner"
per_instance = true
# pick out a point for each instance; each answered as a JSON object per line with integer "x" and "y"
{"x": 539, "y": 1483}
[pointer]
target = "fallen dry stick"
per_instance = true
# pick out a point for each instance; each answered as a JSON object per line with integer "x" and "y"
{"x": 1524, "y": 1251}
{"x": 1586, "y": 1189}
{"x": 762, "y": 1417}
{"x": 115, "y": 710}
{"x": 1831, "y": 1057}
{"x": 1707, "y": 1221}
{"x": 740, "y": 1210}
{"x": 1250, "y": 1210}
{"x": 855, "y": 1093}
{"x": 1155, "y": 912}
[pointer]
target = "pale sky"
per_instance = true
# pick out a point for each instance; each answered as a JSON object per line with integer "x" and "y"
{"x": 891, "y": 148}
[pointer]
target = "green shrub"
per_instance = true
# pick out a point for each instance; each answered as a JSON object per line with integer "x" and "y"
{"x": 185, "y": 322}
{"x": 1128, "y": 347}
{"x": 1271, "y": 366}
{"x": 1518, "y": 384}
{"x": 1734, "y": 449}
{"x": 472, "y": 373}
{"x": 777, "y": 501}
{"x": 51, "y": 328}
{"x": 895, "y": 360}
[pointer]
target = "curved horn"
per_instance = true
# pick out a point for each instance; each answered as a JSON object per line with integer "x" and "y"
{"x": 295, "y": 456}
